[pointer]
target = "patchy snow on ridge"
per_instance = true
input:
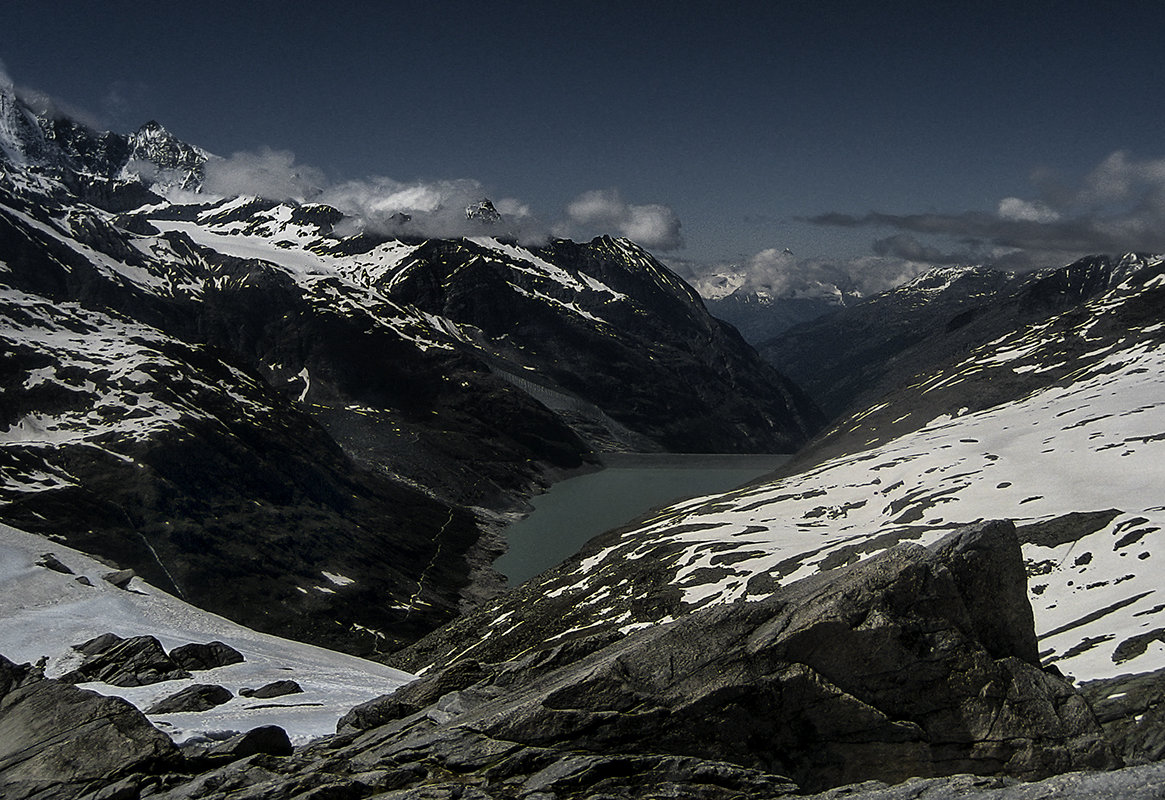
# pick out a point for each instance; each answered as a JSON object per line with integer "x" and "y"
{"x": 263, "y": 248}
{"x": 119, "y": 373}
{"x": 523, "y": 260}
{"x": 43, "y": 613}
{"x": 342, "y": 284}
{"x": 1084, "y": 453}
{"x": 71, "y": 227}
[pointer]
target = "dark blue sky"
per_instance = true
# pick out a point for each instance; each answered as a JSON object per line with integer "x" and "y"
{"x": 835, "y": 129}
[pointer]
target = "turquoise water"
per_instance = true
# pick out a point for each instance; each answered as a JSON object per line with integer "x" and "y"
{"x": 576, "y": 510}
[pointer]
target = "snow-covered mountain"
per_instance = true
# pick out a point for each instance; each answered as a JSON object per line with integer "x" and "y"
{"x": 231, "y": 397}
{"x": 851, "y": 358}
{"x": 763, "y": 309}
{"x": 1055, "y": 425}
{"x": 114, "y": 171}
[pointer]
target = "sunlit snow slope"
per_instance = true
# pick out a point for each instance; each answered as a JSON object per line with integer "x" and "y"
{"x": 44, "y": 612}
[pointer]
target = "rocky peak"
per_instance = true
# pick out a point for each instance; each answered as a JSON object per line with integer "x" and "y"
{"x": 483, "y": 211}
{"x": 152, "y": 128}
{"x": 173, "y": 162}
{"x": 21, "y": 139}
{"x": 1135, "y": 264}
{"x": 938, "y": 280}
{"x": 97, "y": 165}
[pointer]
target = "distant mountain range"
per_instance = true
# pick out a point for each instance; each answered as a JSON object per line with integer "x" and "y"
{"x": 878, "y": 345}
{"x": 761, "y": 311}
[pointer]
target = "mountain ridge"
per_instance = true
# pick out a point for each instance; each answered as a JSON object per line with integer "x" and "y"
{"x": 855, "y": 356}
{"x": 360, "y": 383}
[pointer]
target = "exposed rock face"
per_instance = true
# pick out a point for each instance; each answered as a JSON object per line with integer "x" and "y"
{"x": 199, "y": 697}
{"x": 894, "y": 667}
{"x": 197, "y": 656}
{"x": 1131, "y": 708}
{"x": 137, "y": 661}
{"x": 163, "y": 160}
{"x": 483, "y": 211}
{"x": 1133, "y": 783}
{"x": 58, "y": 741}
{"x": 273, "y": 689}
{"x": 98, "y": 644}
{"x": 987, "y": 565}
{"x": 119, "y": 578}
{"x": 269, "y": 739}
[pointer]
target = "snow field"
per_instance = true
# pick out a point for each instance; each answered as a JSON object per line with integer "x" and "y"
{"x": 1094, "y": 445}
{"x": 43, "y": 613}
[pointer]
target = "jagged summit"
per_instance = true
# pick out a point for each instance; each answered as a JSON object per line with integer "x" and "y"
{"x": 21, "y": 139}
{"x": 483, "y": 211}
{"x": 82, "y": 158}
{"x": 163, "y": 160}
{"x": 939, "y": 278}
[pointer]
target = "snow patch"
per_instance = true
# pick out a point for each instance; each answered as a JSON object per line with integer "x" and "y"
{"x": 46, "y": 612}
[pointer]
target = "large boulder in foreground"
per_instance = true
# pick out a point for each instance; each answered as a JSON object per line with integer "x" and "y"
{"x": 917, "y": 662}
{"x": 58, "y": 741}
{"x": 199, "y": 697}
{"x": 197, "y": 656}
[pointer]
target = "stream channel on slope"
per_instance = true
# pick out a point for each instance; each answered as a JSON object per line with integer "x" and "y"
{"x": 572, "y": 512}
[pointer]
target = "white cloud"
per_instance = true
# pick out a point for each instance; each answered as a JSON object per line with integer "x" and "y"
{"x": 785, "y": 275}
{"x": 1119, "y": 178}
{"x": 377, "y": 199}
{"x": 272, "y": 174}
{"x": 782, "y": 274}
{"x": 429, "y": 209}
{"x": 603, "y": 211}
{"x": 513, "y": 209}
{"x": 596, "y": 207}
{"x": 1017, "y": 209}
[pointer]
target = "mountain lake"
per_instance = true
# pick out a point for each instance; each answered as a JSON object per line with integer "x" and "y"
{"x": 574, "y": 511}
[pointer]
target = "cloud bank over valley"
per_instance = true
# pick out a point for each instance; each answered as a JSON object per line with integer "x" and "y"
{"x": 1118, "y": 206}
{"x": 437, "y": 207}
